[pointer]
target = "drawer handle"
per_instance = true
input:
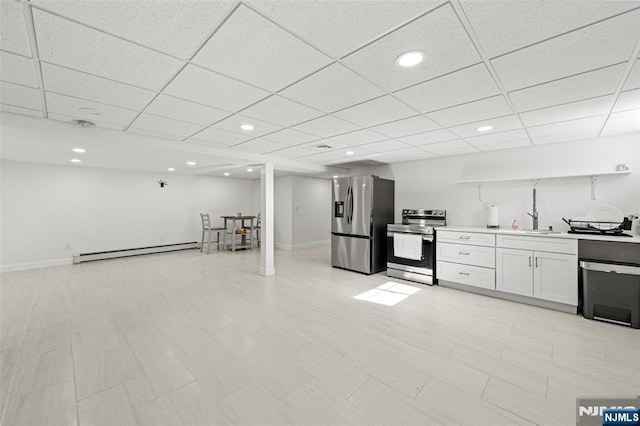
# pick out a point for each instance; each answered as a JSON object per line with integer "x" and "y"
{"x": 464, "y": 273}
{"x": 529, "y": 261}
{"x": 536, "y": 261}
{"x": 464, "y": 237}
{"x": 464, "y": 253}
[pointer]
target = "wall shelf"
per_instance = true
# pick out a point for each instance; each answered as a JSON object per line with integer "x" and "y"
{"x": 592, "y": 176}
{"x": 541, "y": 177}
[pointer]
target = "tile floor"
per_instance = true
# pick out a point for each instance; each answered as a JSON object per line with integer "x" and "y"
{"x": 190, "y": 338}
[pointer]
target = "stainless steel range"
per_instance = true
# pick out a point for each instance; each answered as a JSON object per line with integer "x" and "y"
{"x": 411, "y": 245}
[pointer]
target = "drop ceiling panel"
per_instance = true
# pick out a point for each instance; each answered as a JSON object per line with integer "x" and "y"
{"x": 66, "y": 43}
{"x": 505, "y": 145}
{"x": 109, "y": 117}
{"x": 174, "y": 27}
{"x": 349, "y": 29}
{"x": 290, "y": 137}
{"x": 572, "y": 111}
{"x": 413, "y": 153}
{"x": 439, "y": 34}
{"x": 588, "y": 85}
{"x": 21, "y": 111}
{"x": 326, "y": 156}
{"x": 233, "y": 123}
{"x": 567, "y": 130}
{"x": 429, "y": 137}
{"x": 326, "y": 126}
{"x": 499, "y": 138}
{"x": 17, "y": 69}
{"x": 606, "y": 43}
{"x": 452, "y": 89}
{"x": 259, "y": 145}
{"x": 208, "y": 88}
{"x": 472, "y": 112}
{"x": 220, "y": 137}
{"x": 103, "y": 122}
{"x": 407, "y": 126}
{"x": 279, "y": 110}
{"x": 628, "y": 100}
{"x": 510, "y": 122}
{"x": 85, "y": 86}
{"x": 623, "y": 122}
{"x": 153, "y": 134}
{"x": 332, "y": 89}
{"x": 295, "y": 152}
{"x": 252, "y": 49}
{"x": 503, "y": 26}
{"x": 165, "y": 125}
{"x": 447, "y": 146}
{"x": 377, "y": 111}
{"x": 20, "y": 96}
{"x": 333, "y": 145}
{"x": 457, "y": 151}
{"x": 13, "y": 31}
{"x": 633, "y": 81}
{"x": 384, "y": 146}
{"x": 359, "y": 137}
{"x": 179, "y": 109}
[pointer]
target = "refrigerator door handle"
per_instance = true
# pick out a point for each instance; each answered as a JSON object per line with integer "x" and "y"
{"x": 351, "y": 206}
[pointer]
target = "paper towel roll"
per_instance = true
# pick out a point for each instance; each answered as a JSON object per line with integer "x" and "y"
{"x": 492, "y": 217}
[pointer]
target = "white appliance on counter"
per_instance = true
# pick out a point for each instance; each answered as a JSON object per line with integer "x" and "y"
{"x": 411, "y": 245}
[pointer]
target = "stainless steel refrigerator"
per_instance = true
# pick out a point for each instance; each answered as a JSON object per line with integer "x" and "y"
{"x": 362, "y": 208}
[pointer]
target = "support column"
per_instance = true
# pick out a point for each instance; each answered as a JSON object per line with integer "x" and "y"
{"x": 267, "y": 234}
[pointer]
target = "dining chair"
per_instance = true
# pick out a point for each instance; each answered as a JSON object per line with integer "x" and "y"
{"x": 257, "y": 228}
{"x": 208, "y": 229}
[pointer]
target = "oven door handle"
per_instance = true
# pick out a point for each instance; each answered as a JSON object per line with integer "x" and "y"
{"x": 425, "y": 237}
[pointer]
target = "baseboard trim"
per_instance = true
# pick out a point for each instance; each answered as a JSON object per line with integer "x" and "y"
{"x": 301, "y": 246}
{"x": 113, "y": 254}
{"x": 36, "y": 265}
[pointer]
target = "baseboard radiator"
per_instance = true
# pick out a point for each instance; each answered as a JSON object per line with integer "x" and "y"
{"x": 101, "y": 255}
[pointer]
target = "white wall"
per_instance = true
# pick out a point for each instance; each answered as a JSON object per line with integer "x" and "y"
{"x": 46, "y": 207}
{"x": 302, "y": 212}
{"x": 311, "y": 211}
{"x": 283, "y": 212}
{"x": 433, "y": 183}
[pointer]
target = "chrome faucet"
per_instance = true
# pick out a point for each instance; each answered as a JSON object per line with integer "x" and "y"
{"x": 535, "y": 212}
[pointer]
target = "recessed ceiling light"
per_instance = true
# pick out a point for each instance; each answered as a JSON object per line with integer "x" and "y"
{"x": 227, "y": 173}
{"x": 335, "y": 176}
{"x": 246, "y": 127}
{"x": 75, "y": 160}
{"x": 91, "y": 111}
{"x": 78, "y": 150}
{"x": 171, "y": 169}
{"x": 349, "y": 153}
{"x": 409, "y": 59}
{"x": 249, "y": 170}
{"x": 485, "y": 128}
{"x": 191, "y": 163}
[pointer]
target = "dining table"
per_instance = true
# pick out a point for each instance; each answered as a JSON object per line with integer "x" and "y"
{"x": 234, "y": 220}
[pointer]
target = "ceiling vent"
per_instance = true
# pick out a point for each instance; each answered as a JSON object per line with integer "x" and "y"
{"x": 84, "y": 123}
{"x": 324, "y": 146}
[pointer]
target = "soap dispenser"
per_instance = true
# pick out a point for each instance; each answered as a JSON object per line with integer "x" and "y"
{"x": 514, "y": 225}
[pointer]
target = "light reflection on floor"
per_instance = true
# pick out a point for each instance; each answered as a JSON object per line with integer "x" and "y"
{"x": 388, "y": 293}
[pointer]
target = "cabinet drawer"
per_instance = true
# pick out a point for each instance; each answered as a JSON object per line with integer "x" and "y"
{"x": 473, "y": 238}
{"x": 467, "y": 254}
{"x": 551, "y": 244}
{"x": 464, "y": 274}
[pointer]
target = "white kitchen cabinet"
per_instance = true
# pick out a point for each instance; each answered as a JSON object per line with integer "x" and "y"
{"x": 543, "y": 275}
{"x": 514, "y": 271}
{"x": 466, "y": 258}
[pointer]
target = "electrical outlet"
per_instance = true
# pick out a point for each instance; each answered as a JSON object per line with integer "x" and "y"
{"x": 67, "y": 246}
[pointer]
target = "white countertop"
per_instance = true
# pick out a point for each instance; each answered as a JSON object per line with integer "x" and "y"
{"x": 504, "y": 231}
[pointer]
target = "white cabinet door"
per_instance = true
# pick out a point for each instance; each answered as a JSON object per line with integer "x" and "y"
{"x": 556, "y": 277}
{"x": 514, "y": 271}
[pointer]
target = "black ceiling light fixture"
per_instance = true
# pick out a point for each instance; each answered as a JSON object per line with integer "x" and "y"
{"x": 163, "y": 183}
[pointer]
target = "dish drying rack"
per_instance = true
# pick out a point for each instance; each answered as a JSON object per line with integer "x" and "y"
{"x": 595, "y": 227}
